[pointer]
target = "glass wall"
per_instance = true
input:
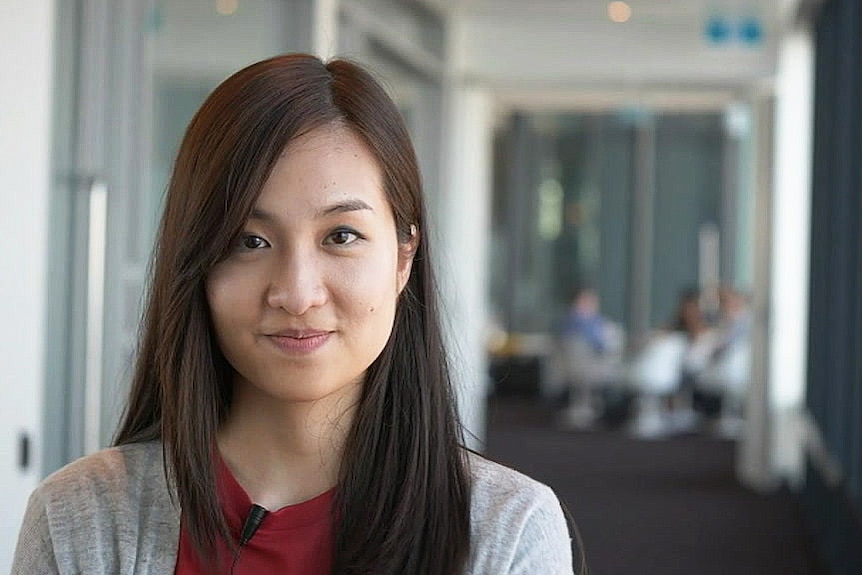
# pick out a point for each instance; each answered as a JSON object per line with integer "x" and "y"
{"x": 142, "y": 69}
{"x": 191, "y": 46}
{"x": 687, "y": 207}
{"x": 631, "y": 203}
{"x": 402, "y": 44}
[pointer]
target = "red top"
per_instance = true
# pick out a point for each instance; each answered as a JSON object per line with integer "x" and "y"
{"x": 296, "y": 539}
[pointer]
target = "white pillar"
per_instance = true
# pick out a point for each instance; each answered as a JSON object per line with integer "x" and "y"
{"x": 324, "y": 28}
{"x": 753, "y": 460}
{"x": 464, "y": 231}
{"x": 27, "y": 29}
{"x": 790, "y": 252}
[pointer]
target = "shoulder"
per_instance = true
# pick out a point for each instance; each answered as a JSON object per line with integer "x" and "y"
{"x": 499, "y": 487}
{"x": 88, "y": 515}
{"x": 517, "y": 523}
{"x": 108, "y": 486}
{"x": 117, "y": 470}
{"x": 122, "y": 461}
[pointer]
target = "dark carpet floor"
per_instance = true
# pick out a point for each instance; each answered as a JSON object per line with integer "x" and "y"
{"x": 670, "y": 507}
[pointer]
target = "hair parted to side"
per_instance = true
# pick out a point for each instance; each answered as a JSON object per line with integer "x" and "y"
{"x": 402, "y": 503}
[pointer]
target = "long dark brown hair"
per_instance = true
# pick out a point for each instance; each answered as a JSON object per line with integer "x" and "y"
{"x": 402, "y": 502}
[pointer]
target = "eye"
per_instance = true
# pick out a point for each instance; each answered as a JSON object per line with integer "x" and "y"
{"x": 342, "y": 237}
{"x": 249, "y": 242}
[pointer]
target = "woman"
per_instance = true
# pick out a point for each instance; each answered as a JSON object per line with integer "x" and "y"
{"x": 291, "y": 360}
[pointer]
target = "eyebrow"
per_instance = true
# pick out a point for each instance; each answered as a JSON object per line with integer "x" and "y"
{"x": 349, "y": 205}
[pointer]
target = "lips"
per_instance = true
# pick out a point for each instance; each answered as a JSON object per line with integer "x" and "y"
{"x": 295, "y": 341}
{"x": 299, "y": 333}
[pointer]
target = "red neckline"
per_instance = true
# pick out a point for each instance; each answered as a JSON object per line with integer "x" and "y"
{"x": 235, "y": 503}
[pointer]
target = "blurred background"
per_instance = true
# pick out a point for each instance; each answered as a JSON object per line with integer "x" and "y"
{"x": 647, "y": 222}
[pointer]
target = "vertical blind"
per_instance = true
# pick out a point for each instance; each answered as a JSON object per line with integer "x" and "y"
{"x": 834, "y": 386}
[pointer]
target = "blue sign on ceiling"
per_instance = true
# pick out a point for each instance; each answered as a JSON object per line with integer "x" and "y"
{"x": 750, "y": 31}
{"x": 718, "y": 30}
{"x": 721, "y": 30}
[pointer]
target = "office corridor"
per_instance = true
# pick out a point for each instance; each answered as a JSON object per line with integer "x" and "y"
{"x": 656, "y": 508}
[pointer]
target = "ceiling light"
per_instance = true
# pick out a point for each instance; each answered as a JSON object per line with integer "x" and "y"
{"x": 226, "y": 7}
{"x": 619, "y": 11}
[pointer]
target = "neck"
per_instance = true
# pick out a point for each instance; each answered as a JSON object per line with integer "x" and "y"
{"x": 283, "y": 452}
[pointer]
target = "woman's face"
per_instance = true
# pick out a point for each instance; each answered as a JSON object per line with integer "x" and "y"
{"x": 305, "y": 301}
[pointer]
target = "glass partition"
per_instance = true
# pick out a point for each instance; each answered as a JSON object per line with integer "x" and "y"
{"x": 580, "y": 198}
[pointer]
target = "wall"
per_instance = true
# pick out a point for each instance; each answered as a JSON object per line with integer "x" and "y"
{"x": 27, "y": 29}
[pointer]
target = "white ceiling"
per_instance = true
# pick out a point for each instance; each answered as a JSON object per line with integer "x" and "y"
{"x": 555, "y": 50}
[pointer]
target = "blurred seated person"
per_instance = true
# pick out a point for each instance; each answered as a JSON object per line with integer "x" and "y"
{"x": 587, "y": 356}
{"x": 721, "y": 386}
{"x": 583, "y": 321}
{"x": 654, "y": 376}
{"x": 702, "y": 339}
{"x": 664, "y": 371}
{"x": 735, "y": 319}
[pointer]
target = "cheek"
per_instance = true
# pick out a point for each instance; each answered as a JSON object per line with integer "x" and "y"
{"x": 229, "y": 295}
{"x": 370, "y": 291}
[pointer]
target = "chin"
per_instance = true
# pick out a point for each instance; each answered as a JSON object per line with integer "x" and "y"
{"x": 298, "y": 392}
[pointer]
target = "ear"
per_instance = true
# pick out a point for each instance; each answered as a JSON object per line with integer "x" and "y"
{"x": 406, "y": 251}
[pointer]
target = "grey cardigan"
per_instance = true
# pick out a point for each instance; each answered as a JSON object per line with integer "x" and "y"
{"x": 111, "y": 512}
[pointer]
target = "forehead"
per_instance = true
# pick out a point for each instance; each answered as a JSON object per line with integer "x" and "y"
{"x": 331, "y": 143}
{"x": 329, "y": 162}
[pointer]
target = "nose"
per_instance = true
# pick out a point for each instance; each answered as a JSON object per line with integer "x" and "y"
{"x": 297, "y": 284}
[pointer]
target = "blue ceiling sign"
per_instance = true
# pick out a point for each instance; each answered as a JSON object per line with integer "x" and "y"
{"x": 750, "y": 31}
{"x": 718, "y": 30}
{"x": 722, "y": 30}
